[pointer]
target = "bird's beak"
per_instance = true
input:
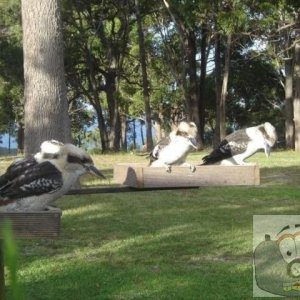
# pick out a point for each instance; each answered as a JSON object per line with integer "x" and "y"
{"x": 93, "y": 170}
{"x": 193, "y": 143}
{"x": 267, "y": 150}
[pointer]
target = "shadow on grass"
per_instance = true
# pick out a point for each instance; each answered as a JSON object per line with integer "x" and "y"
{"x": 180, "y": 244}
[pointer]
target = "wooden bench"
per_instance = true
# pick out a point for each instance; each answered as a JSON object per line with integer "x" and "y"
{"x": 139, "y": 175}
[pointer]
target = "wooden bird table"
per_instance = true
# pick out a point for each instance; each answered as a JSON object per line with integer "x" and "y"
{"x": 141, "y": 176}
{"x": 28, "y": 225}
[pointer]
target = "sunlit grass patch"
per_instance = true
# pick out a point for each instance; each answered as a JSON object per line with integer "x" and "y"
{"x": 171, "y": 244}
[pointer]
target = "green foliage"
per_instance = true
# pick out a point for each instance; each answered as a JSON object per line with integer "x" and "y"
{"x": 11, "y": 65}
{"x": 101, "y": 42}
{"x": 255, "y": 94}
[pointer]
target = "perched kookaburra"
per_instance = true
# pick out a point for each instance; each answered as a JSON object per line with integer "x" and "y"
{"x": 241, "y": 144}
{"x": 174, "y": 149}
{"x": 32, "y": 184}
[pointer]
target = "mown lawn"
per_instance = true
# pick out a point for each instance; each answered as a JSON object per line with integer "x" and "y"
{"x": 175, "y": 244}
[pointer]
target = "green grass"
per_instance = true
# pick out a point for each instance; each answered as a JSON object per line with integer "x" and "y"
{"x": 175, "y": 244}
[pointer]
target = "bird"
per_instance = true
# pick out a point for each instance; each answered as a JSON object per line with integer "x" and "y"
{"x": 173, "y": 149}
{"x": 34, "y": 183}
{"x": 242, "y": 144}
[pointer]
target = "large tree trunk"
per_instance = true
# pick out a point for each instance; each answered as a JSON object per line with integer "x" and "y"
{"x": 218, "y": 89}
{"x": 192, "y": 82}
{"x": 101, "y": 126}
{"x": 146, "y": 93}
{"x": 20, "y": 137}
{"x": 202, "y": 82}
{"x": 297, "y": 88}
{"x": 124, "y": 129}
{"x": 46, "y": 106}
{"x": 95, "y": 99}
{"x": 288, "y": 88}
{"x": 221, "y": 88}
{"x": 224, "y": 89}
{"x": 114, "y": 115}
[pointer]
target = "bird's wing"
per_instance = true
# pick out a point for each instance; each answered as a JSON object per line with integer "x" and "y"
{"x": 16, "y": 169}
{"x": 35, "y": 180}
{"x": 233, "y": 144}
{"x": 154, "y": 154}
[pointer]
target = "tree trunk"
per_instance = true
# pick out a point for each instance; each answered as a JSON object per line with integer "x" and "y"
{"x": 224, "y": 89}
{"x": 142, "y": 133}
{"x": 101, "y": 126}
{"x": 202, "y": 81}
{"x": 192, "y": 82}
{"x": 158, "y": 121}
{"x": 95, "y": 99}
{"x": 288, "y": 88}
{"x": 113, "y": 107}
{"x": 146, "y": 93}
{"x": 46, "y": 106}
{"x": 124, "y": 128}
{"x": 20, "y": 137}
{"x": 297, "y": 87}
{"x": 218, "y": 85}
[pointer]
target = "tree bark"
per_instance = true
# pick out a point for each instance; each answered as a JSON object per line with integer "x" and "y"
{"x": 224, "y": 89}
{"x": 218, "y": 89}
{"x": 297, "y": 87}
{"x": 192, "y": 83}
{"x": 46, "y": 106}
{"x": 146, "y": 92}
{"x": 113, "y": 108}
{"x": 202, "y": 83}
{"x": 288, "y": 88}
{"x": 124, "y": 128}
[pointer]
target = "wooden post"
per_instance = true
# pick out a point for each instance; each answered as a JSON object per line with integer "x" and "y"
{"x": 2, "y": 277}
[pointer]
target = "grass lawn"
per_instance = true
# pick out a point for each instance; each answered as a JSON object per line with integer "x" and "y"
{"x": 174, "y": 244}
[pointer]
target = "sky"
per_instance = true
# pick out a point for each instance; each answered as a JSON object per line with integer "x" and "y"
{"x": 13, "y": 143}
{"x": 5, "y": 142}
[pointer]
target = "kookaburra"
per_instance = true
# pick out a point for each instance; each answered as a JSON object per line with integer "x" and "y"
{"x": 174, "y": 149}
{"x": 241, "y": 144}
{"x": 32, "y": 184}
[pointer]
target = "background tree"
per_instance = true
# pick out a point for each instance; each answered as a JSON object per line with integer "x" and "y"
{"x": 46, "y": 107}
{"x": 143, "y": 62}
{"x": 11, "y": 71}
{"x": 186, "y": 45}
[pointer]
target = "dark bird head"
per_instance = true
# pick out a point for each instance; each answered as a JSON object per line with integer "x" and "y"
{"x": 67, "y": 157}
{"x": 79, "y": 160}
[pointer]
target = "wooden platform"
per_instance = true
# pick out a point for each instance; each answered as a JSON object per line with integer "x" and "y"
{"x": 38, "y": 224}
{"x": 142, "y": 176}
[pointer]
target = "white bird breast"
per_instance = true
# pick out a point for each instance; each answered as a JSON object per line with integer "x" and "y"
{"x": 175, "y": 151}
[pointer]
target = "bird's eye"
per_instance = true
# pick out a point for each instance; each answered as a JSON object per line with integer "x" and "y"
{"x": 288, "y": 249}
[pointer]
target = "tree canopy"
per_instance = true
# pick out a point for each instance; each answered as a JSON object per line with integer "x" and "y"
{"x": 221, "y": 64}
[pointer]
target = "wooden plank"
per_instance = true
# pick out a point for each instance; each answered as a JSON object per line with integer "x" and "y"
{"x": 117, "y": 189}
{"x": 27, "y": 225}
{"x": 132, "y": 174}
{"x": 138, "y": 175}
